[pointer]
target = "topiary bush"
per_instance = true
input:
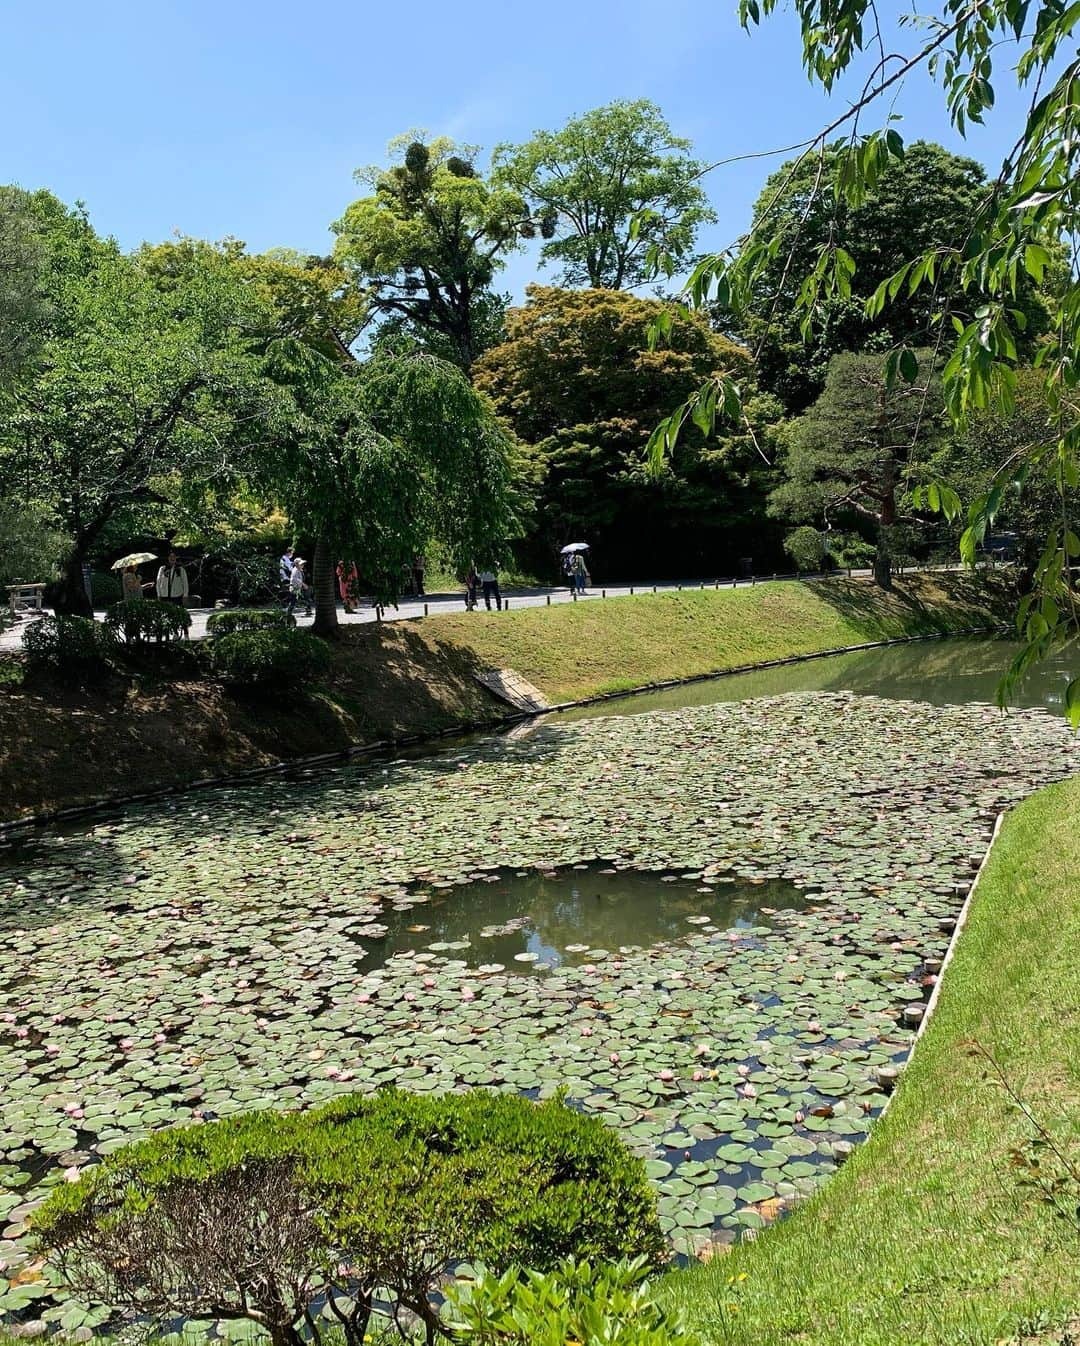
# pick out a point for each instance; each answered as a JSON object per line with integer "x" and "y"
{"x": 72, "y": 647}
{"x": 254, "y": 1216}
{"x": 281, "y": 659}
{"x": 224, "y": 623}
{"x": 603, "y": 1305}
{"x": 806, "y": 547}
{"x": 148, "y": 619}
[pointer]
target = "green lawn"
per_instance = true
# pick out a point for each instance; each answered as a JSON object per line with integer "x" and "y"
{"x": 575, "y": 650}
{"x": 927, "y": 1235}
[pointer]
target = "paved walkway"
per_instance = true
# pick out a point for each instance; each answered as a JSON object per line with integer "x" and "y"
{"x": 434, "y": 604}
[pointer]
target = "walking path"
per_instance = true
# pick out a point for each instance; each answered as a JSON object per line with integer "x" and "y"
{"x": 434, "y": 604}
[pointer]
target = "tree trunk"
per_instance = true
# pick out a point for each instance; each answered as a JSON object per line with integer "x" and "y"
{"x": 323, "y": 582}
{"x": 71, "y": 599}
{"x": 882, "y": 559}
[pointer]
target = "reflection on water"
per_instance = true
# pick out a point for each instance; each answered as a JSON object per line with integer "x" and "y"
{"x": 533, "y": 922}
{"x": 941, "y": 672}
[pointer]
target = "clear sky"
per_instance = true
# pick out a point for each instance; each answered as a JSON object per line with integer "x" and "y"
{"x": 214, "y": 118}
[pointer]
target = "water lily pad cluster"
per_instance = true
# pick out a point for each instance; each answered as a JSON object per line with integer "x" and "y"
{"x": 220, "y": 952}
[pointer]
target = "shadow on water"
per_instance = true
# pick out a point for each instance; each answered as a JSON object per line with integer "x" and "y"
{"x": 531, "y": 922}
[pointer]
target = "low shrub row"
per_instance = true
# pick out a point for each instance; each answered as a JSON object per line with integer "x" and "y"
{"x": 228, "y": 620}
{"x": 149, "y": 619}
{"x": 367, "y": 1200}
{"x": 269, "y": 658}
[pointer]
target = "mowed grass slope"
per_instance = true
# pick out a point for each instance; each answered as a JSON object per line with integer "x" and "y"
{"x": 576, "y": 650}
{"x": 927, "y": 1234}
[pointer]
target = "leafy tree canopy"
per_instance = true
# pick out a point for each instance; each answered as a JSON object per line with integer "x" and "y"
{"x": 860, "y": 449}
{"x": 606, "y": 188}
{"x": 427, "y": 242}
{"x": 576, "y": 380}
{"x": 145, "y": 386}
{"x": 925, "y": 199}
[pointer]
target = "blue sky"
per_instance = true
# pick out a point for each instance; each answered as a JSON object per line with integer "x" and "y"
{"x": 218, "y": 119}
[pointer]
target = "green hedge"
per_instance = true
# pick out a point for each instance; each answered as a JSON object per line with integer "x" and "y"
{"x": 224, "y": 623}
{"x": 73, "y": 647}
{"x": 269, "y": 658}
{"x": 148, "y": 619}
{"x": 375, "y": 1194}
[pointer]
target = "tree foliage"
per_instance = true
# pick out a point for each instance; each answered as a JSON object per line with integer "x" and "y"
{"x": 605, "y": 189}
{"x": 1029, "y": 210}
{"x": 22, "y": 305}
{"x": 425, "y": 245}
{"x": 144, "y": 387}
{"x": 577, "y": 381}
{"x": 860, "y": 449}
{"x": 924, "y": 199}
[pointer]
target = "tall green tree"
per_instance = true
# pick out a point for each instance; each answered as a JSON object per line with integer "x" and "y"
{"x": 576, "y": 380}
{"x": 426, "y": 243}
{"x": 607, "y": 188}
{"x": 926, "y": 199}
{"x": 144, "y": 388}
{"x": 1029, "y": 211}
{"x": 381, "y": 458}
{"x": 860, "y": 450}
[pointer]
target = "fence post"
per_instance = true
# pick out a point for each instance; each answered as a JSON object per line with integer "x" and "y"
{"x": 603, "y": 593}
{"x": 425, "y": 609}
{"x": 654, "y": 588}
{"x": 548, "y": 599}
{"x": 575, "y": 595}
{"x": 631, "y": 591}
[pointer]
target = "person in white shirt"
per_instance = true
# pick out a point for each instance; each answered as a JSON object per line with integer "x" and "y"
{"x": 298, "y": 588}
{"x": 489, "y": 582}
{"x": 172, "y": 580}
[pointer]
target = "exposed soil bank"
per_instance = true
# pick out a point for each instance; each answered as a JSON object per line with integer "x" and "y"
{"x": 63, "y": 746}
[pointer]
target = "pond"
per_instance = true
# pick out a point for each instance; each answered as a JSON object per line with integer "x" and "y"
{"x": 942, "y": 672}
{"x": 272, "y": 945}
{"x": 532, "y": 923}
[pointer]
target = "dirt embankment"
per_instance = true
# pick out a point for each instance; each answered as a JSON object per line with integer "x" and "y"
{"x": 170, "y": 725}
{"x": 63, "y": 746}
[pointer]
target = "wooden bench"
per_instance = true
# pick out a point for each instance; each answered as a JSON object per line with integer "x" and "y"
{"x": 23, "y": 597}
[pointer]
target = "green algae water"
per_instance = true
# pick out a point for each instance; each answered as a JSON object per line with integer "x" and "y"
{"x": 953, "y": 672}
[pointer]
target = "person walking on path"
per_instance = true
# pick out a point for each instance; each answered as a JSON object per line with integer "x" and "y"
{"x": 298, "y": 588}
{"x": 347, "y": 579}
{"x": 172, "y": 581}
{"x": 578, "y": 573}
{"x": 419, "y": 565}
{"x": 490, "y": 582}
{"x": 285, "y": 570}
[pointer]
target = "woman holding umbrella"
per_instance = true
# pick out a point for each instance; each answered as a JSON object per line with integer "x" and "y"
{"x": 574, "y": 567}
{"x": 131, "y": 586}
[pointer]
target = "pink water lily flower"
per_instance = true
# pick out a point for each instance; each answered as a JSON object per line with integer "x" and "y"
{"x": 667, "y": 1076}
{"x": 614, "y": 1058}
{"x": 72, "y": 1174}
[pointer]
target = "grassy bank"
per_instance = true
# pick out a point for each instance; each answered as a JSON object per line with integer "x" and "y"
{"x": 170, "y": 723}
{"x": 583, "y": 649}
{"x": 927, "y": 1234}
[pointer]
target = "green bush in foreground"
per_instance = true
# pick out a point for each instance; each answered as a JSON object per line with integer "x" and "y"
{"x": 227, "y": 621}
{"x": 607, "y": 1305}
{"x": 148, "y": 619}
{"x": 269, "y": 658}
{"x": 72, "y": 647}
{"x": 255, "y": 1216}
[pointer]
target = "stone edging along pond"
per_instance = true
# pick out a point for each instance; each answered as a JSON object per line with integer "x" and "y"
{"x": 382, "y": 748}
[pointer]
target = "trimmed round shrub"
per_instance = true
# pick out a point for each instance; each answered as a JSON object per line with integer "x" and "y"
{"x": 148, "y": 619}
{"x": 73, "y": 647}
{"x": 806, "y": 547}
{"x": 254, "y": 1216}
{"x": 269, "y": 658}
{"x": 224, "y": 623}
